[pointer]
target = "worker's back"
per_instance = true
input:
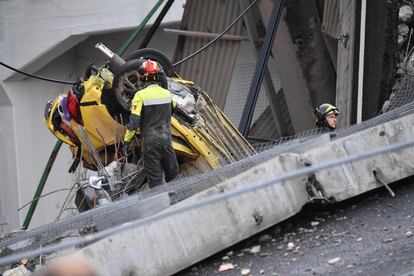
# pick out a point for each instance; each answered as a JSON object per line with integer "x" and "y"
{"x": 154, "y": 104}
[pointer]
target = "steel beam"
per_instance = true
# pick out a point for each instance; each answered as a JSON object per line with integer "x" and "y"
{"x": 259, "y": 73}
{"x": 204, "y": 34}
{"x": 251, "y": 21}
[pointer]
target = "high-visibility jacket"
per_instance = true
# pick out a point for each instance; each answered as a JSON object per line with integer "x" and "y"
{"x": 150, "y": 111}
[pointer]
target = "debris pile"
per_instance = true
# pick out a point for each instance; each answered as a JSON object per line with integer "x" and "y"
{"x": 405, "y": 59}
{"x": 405, "y": 39}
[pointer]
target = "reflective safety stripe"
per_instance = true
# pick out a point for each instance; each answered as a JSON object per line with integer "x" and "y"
{"x": 173, "y": 102}
{"x": 129, "y": 134}
{"x": 156, "y": 101}
{"x": 136, "y": 105}
{"x": 150, "y": 96}
{"x": 330, "y": 107}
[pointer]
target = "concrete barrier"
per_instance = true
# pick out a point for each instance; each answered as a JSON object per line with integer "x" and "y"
{"x": 167, "y": 246}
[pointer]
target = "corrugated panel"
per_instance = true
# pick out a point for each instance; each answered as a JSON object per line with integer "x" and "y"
{"x": 213, "y": 68}
{"x": 238, "y": 91}
{"x": 265, "y": 126}
{"x": 330, "y": 21}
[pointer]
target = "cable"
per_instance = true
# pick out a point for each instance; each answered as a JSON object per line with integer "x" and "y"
{"x": 218, "y": 36}
{"x": 35, "y": 76}
{"x": 36, "y": 198}
{"x": 66, "y": 202}
{"x": 138, "y": 29}
{"x": 205, "y": 201}
{"x": 156, "y": 24}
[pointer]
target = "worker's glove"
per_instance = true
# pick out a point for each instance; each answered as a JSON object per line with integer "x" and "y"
{"x": 126, "y": 149}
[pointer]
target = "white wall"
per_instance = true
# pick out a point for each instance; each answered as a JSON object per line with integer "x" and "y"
{"x": 54, "y": 39}
{"x": 9, "y": 200}
{"x": 33, "y": 140}
{"x": 31, "y": 31}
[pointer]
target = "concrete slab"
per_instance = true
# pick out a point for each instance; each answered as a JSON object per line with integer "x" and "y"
{"x": 355, "y": 178}
{"x": 143, "y": 208}
{"x": 167, "y": 246}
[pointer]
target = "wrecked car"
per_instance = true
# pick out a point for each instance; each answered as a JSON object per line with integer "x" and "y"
{"x": 91, "y": 119}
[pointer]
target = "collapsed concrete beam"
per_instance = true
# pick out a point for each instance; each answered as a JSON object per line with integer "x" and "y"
{"x": 167, "y": 246}
{"x": 170, "y": 245}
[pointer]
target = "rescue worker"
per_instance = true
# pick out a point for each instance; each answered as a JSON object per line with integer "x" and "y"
{"x": 326, "y": 116}
{"x": 151, "y": 112}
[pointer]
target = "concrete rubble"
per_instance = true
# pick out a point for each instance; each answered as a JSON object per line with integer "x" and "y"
{"x": 265, "y": 238}
{"x": 245, "y": 271}
{"x": 255, "y": 249}
{"x": 21, "y": 270}
{"x": 226, "y": 267}
{"x": 334, "y": 261}
{"x": 405, "y": 44}
{"x": 405, "y": 27}
{"x": 405, "y": 13}
{"x": 405, "y": 40}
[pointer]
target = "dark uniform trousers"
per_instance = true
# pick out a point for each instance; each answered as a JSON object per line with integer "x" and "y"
{"x": 159, "y": 155}
{"x": 151, "y": 110}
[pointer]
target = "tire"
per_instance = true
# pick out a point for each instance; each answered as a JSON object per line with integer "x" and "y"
{"x": 124, "y": 93}
{"x": 158, "y": 56}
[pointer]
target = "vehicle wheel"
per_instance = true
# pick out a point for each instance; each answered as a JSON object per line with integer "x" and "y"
{"x": 126, "y": 83}
{"x": 158, "y": 56}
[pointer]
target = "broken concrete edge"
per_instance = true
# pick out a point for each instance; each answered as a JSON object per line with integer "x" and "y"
{"x": 20, "y": 270}
{"x": 351, "y": 179}
{"x": 172, "y": 244}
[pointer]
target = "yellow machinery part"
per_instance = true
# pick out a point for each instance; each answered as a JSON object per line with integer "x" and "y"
{"x": 198, "y": 143}
{"x": 181, "y": 149}
{"x": 49, "y": 124}
{"x": 93, "y": 89}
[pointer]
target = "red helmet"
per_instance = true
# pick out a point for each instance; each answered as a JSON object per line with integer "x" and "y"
{"x": 149, "y": 69}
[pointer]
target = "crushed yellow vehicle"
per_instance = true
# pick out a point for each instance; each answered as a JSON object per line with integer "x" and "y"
{"x": 91, "y": 119}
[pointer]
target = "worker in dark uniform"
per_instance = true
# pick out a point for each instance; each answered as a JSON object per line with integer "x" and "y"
{"x": 151, "y": 112}
{"x": 326, "y": 116}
